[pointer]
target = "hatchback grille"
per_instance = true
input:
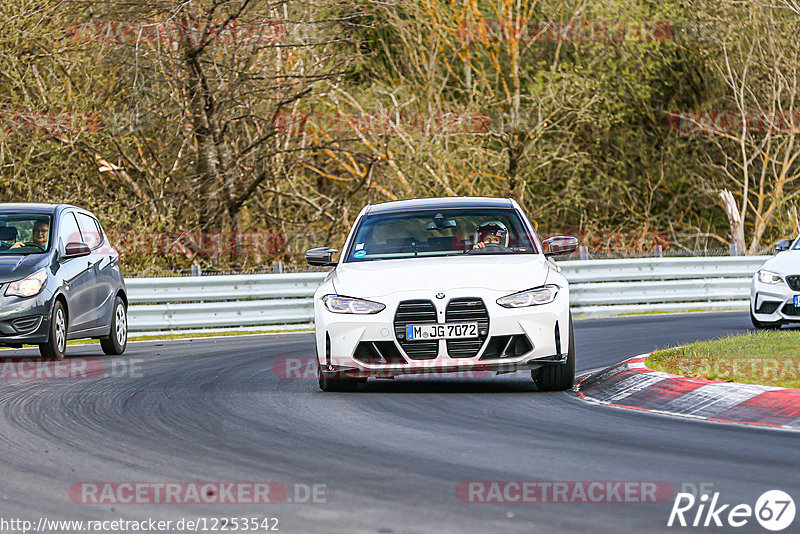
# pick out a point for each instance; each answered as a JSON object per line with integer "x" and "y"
{"x": 794, "y": 282}
{"x": 415, "y": 312}
{"x": 467, "y": 310}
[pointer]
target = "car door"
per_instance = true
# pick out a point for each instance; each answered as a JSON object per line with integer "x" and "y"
{"x": 77, "y": 276}
{"x": 100, "y": 264}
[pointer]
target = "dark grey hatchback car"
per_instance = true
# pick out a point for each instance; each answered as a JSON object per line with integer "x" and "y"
{"x": 59, "y": 280}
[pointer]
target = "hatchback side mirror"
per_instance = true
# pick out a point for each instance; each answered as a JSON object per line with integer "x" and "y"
{"x": 321, "y": 257}
{"x": 76, "y": 250}
{"x": 783, "y": 244}
{"x": 560, "y": 244}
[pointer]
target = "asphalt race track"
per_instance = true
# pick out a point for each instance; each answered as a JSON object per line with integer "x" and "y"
{"x": 390, "y": 457}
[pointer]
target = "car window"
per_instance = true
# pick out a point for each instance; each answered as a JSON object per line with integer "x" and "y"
{"x": 24, "y": 233}
{"x": 89, "y": 230}
{"x": 69, "y": 232}
{"x": 448, "y": 232}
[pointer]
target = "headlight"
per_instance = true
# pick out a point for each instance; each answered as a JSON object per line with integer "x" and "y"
{"x": 29, "y": 286}
{"x": 768, "y": 277}
{"x": 339, "y": 304}
{"x": 532, "y": 297}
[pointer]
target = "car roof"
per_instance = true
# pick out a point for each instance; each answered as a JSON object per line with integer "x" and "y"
{"x": 33, "y": 207}
{"x": 439, "y": 203}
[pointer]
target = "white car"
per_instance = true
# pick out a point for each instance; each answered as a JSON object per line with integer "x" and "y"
{"x": 443, "y": 285}
{"x": 775, "y": 289}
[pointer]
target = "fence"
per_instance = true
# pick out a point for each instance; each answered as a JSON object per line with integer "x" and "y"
{"x": 280, "y": 301}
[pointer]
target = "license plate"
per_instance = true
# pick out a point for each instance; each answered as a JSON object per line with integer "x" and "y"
{"x": 423, "y": 332}
{"x": 796, "y": 301}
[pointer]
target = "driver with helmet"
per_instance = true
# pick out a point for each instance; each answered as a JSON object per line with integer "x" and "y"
{"x": 492, "y": 233}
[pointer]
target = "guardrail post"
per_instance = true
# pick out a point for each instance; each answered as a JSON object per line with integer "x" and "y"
{"x": 734, "y": 250}
{"x": 584, "y": 252}
{"x": 197, "y": 270}
{"x": 658, "y": 251}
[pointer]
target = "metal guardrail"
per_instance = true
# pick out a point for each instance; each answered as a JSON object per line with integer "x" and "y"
{"x": 615, "y": 287}
{"x": 598, "y": 288}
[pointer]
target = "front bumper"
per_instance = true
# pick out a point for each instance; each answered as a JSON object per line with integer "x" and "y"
{"x": 24, "y": 321}
{"x": 373, "y": 345}
{"x": 772, "y": 303}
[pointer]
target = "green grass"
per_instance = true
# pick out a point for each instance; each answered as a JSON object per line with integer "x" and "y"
{"x": 768, "y": 358}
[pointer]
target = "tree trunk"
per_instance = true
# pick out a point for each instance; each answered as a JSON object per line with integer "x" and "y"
{"x": 734, "y": 219}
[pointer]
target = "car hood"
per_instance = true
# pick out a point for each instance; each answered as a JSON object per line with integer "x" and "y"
{"x": 15, "y": 267}
{"x": 786, "y": 262}
{"x": 494, "y": 272}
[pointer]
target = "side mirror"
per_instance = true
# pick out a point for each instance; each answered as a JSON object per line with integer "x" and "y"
{"x": 321, "y": 257}
{"x": 783, "y": 244}
{"x": 560, "y": 244}
{"x": 76, "y": 250}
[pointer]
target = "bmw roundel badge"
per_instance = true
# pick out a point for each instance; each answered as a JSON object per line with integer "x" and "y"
{"x": 440, "y": 296}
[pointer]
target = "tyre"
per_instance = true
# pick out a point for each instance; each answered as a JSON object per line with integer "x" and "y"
{"x": 56, "y": 346}
{"x": 117, "y": 339}
{"x": 558, "y": 377}
{"x": 336, "y": 381}
{"x": 760, "y": 325}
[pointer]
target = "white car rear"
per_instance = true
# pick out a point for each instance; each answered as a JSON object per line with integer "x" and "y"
{"x": 413, "y": 293}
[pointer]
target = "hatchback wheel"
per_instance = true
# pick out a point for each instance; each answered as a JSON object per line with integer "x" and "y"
{"x": 117, "y": 339}
{"x": 56, "y": 346}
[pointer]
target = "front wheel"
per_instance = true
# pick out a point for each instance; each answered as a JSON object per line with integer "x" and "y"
{"x": 561, "y": 376}
{"x": 117, "y": 340}
{"x": 760, "y": 325}
{"x": 56, "y": 346}
{"x": 333, "y": 381}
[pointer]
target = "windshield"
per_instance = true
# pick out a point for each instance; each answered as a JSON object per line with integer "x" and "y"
{"x": 24, "y": 233}
{"x": 452, "y": 232}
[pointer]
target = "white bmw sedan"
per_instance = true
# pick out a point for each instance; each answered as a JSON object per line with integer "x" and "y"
{"x": 443, "y": 285}
{"x": 775, "y": 289}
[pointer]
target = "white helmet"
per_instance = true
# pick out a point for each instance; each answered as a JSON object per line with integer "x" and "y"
{"x": 495, "y": 228}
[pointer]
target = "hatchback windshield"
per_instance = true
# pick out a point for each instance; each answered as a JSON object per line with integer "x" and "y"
{"x": 24, "y": 233}
{"x": 450, "y": 232}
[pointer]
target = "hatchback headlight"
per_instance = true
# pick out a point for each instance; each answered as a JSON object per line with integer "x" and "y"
{"x": 28, "y": 286}
{"x": 768, "y": 277}
{"x": 339, "y": 304}
{"x": 532, "y": 297}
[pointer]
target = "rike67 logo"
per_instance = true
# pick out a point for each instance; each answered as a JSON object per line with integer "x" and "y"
{"x": 774, "y": 510}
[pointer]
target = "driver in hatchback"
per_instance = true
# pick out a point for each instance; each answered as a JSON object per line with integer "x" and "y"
{"x": 41, "y": 233}
{"x": 492, "y": 233}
